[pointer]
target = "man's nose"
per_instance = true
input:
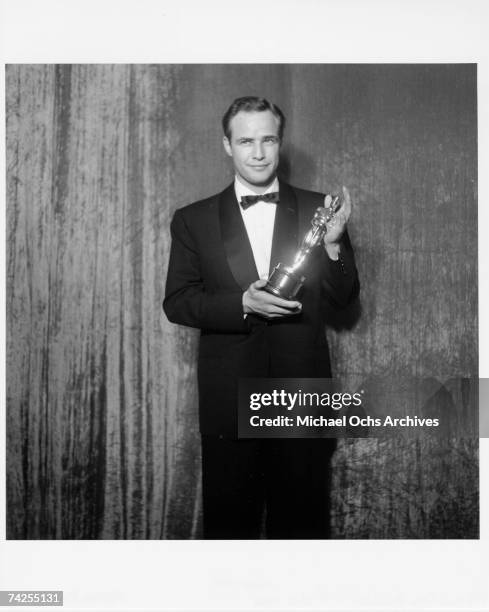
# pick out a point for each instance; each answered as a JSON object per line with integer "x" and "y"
{"x": 258, "y": 151}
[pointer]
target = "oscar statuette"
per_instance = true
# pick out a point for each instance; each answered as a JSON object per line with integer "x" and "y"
{"x": 286, "y": 281}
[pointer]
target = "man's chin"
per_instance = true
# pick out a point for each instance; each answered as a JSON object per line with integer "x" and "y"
{"x": 261, "y": 181}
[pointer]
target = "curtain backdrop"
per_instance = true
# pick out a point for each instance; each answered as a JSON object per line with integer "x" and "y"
{"x": 101, "y": 388}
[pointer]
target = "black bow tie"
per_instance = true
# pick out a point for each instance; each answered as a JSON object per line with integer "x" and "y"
{"x": 249, "y": 200}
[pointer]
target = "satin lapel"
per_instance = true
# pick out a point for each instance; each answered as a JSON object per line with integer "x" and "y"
{"x": 235, "y": 238}
{"x": 285, "y": 241}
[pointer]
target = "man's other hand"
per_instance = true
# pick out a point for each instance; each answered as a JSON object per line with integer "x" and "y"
{"x": 337, "y": 225}
{"x": 258, "y": 301}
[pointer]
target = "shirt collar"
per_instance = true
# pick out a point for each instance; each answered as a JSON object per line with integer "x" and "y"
{"x": 242, "y": 190}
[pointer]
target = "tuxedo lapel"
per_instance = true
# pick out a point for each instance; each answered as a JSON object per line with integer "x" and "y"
{"x": 284, "y": 245}
{"x": 235, "y": 238}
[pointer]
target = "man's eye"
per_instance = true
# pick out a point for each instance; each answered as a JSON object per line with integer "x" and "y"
{"x": 271, "y": 139}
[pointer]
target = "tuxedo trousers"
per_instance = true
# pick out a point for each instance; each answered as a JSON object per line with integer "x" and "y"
{"x": 272, "y": 488}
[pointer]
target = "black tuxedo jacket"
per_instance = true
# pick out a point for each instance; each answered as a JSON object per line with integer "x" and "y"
{"x": 212, "y": 264}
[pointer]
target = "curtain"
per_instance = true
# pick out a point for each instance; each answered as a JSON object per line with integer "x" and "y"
{"x": 102, "y": 433}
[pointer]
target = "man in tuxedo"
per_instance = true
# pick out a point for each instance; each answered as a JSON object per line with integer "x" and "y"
{"x": 223, "y": 249}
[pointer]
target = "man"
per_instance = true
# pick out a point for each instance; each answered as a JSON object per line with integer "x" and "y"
{"x": 223, "y": 249}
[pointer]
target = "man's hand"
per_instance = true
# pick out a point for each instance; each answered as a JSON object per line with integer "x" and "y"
{"x": 257, "y": 301}
{"x": 337, "y": 225}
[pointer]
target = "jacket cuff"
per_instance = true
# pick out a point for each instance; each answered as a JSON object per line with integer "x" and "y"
{"x": 344, "y": 265}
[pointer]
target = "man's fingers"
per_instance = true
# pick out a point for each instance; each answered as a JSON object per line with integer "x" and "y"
{"x": 271, "y": 299}
{"x": 284, "y": 304}
{"x": 281, "y": 312}
{"x": 272, "y": 311}
{"x": 327, "y": 201}
{"x": 258, "y": 301}
{"x": 347, "y": 203}
{"x": 340, "y": 219}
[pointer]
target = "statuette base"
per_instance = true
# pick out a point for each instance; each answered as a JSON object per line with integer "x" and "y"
{"x": 284, "y": 282}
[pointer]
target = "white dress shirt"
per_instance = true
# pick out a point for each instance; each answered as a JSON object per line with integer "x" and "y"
{"x": 259, "y": 220}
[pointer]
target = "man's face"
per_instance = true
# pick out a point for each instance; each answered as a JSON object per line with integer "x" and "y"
{"x": 254, "y": 147}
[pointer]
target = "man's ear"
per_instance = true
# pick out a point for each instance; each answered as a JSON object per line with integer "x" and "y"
{"x": 227, "y": 146}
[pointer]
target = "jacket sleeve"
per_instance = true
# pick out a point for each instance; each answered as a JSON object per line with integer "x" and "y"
{"x": 187, "y": 301}
{"x": 340, "y": 284}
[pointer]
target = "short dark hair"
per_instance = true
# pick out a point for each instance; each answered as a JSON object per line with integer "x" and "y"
{"x": 251, "y": 104}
